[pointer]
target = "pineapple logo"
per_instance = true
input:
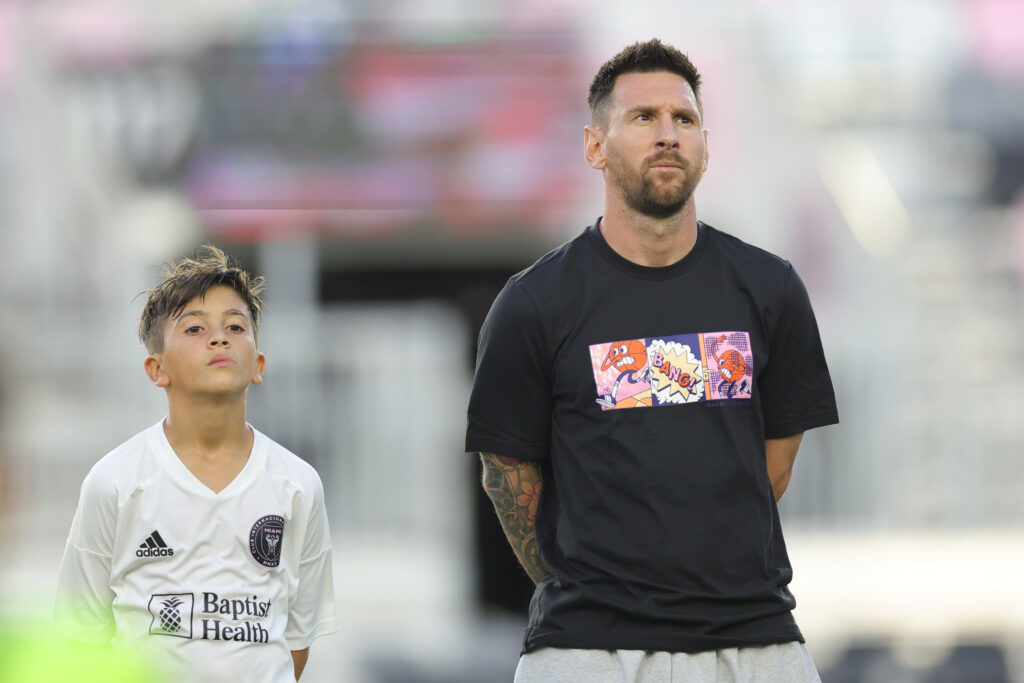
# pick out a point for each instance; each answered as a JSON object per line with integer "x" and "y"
{"x": 172, "y": 614}
{"x": 170, "y": 617}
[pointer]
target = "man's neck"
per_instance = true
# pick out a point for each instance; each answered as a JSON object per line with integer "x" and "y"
{"x": 649, "y": 241}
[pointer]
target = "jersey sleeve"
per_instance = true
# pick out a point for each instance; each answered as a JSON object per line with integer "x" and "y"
{"x": 312, "y": 611}
{"x": 795, "y": 386}
{"x": 83, "y": 606}
{"x": 510, "y": 404}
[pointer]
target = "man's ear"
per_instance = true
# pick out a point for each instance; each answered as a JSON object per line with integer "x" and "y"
{"x": 261, "y": 363}
{"x": 593, "y": 147}
{"x": 155, "y": 370}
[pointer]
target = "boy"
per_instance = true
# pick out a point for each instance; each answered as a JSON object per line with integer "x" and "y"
{"x": 200, "y": 539}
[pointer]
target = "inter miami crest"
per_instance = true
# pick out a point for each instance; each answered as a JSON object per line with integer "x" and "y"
{"x": 265, "y": 540}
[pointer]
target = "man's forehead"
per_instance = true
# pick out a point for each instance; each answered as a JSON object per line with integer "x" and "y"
{"x": 656, "y": 87}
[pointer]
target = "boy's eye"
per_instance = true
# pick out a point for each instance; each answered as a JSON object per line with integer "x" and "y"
{"x": 234, "y": 327}
{"x": 194, "y": 329}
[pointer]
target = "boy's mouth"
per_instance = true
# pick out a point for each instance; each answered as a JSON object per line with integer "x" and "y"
{"x": 220, "y": 360}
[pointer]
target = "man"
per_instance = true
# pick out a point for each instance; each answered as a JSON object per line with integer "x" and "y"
{"x": 639, "y": 399}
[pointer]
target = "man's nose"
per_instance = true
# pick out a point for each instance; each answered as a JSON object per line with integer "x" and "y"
{"x": 668, "y": 137}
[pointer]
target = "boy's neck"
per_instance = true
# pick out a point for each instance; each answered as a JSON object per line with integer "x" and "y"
{"x": 210, "y": 438}
{"x": 208, "y": 426}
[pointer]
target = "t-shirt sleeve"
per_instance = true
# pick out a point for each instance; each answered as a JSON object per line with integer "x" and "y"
{"x": 510, "y": 404}
{"x": 83, "y": 609}
{"x": 312, "y": 611}
{"x": 795, "y": 386}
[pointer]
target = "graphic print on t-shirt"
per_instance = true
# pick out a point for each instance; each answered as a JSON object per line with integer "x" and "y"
{"x": 677, "y": 372}
{"x": 620, "y": 371}
{"x": 671, "y": 370}
{"x": 730, "y": 365}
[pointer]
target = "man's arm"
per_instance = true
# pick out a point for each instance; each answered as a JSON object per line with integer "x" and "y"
{"x": 780, "y": 455}
{"x": 299, "y": 658}
{"x": 514, "y": 487}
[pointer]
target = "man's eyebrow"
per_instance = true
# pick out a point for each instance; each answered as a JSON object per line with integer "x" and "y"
{"x": 649, "y": 108}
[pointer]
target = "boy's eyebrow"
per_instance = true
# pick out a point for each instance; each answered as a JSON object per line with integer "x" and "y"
{"x": 203, "y": 314}
{"x": 185, "y": 314}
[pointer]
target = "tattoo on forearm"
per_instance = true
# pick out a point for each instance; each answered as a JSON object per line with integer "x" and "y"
{"x": 514, "y": 487}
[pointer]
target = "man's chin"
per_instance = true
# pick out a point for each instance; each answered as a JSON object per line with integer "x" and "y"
{"x": 659, "y": 208}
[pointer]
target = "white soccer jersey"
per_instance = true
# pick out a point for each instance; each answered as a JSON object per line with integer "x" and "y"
{"x": 217, "y": 586}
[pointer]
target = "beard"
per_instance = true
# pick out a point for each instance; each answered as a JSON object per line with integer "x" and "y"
{"x": 657, "y": 200}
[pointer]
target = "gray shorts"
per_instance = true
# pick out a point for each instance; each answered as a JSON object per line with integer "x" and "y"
{"x": 783, "y": 663}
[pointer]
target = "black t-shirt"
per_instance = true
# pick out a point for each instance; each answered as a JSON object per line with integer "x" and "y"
{"x": 646, "y": 395}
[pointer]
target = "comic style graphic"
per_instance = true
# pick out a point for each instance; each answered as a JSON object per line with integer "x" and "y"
{"x": 621, "y": 374}
{"x": 677, "y": 374}
{"x": 731, "y": 364}
{"x": 673, "y": 370}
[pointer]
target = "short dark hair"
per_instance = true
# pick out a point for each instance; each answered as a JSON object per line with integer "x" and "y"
{"x": 188, "y": 278}
{"x": 652, "y": 55}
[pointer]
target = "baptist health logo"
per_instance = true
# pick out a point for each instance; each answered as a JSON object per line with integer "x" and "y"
{"x": 169, "y": 610}
{"x": 175, "y": 613}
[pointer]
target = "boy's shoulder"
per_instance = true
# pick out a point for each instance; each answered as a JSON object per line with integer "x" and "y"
{"x": 131, "y": 461}
{"x": 282, "y": 463}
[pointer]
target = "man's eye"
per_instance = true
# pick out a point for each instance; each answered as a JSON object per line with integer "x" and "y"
{"x": 684, "y": 119}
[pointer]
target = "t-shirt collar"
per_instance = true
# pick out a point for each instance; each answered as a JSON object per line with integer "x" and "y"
{"x": 618, "y": 261}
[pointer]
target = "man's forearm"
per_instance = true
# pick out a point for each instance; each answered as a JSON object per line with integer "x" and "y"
{"x": 514, "y": 487}
{"x": 780, "y": 455}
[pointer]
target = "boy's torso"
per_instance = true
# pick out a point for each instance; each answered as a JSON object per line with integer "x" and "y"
{"x": 206, "y": 577}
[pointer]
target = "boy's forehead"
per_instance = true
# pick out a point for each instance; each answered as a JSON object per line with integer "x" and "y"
{"x": 218, "y": 299}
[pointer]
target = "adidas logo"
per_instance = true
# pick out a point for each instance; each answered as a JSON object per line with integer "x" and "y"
{"x": 154, "y": 546}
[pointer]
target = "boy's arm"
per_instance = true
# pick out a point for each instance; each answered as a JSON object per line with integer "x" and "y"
{"x": 299, "y": 657}
{"x": 83, "y": 605}
{"x": 311, "y": 613}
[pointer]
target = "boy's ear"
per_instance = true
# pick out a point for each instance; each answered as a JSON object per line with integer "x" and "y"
{"x": 261, "y": 363}
{"x": 155, "y": 371}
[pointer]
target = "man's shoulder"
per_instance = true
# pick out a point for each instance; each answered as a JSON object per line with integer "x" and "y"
{"x": 749, "y": 254}
{"x": 549, "y": 270}
{"x": 553, "y": 262}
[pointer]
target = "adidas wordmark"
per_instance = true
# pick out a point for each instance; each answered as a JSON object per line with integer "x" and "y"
{"x": 154, "y": 546}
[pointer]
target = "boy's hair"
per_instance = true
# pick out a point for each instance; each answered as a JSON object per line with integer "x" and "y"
{"x": 191, "y": 277}
{"x": 646, "y": 57}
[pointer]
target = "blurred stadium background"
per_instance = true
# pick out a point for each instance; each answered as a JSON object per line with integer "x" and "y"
{"x": 388, "y": 164}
